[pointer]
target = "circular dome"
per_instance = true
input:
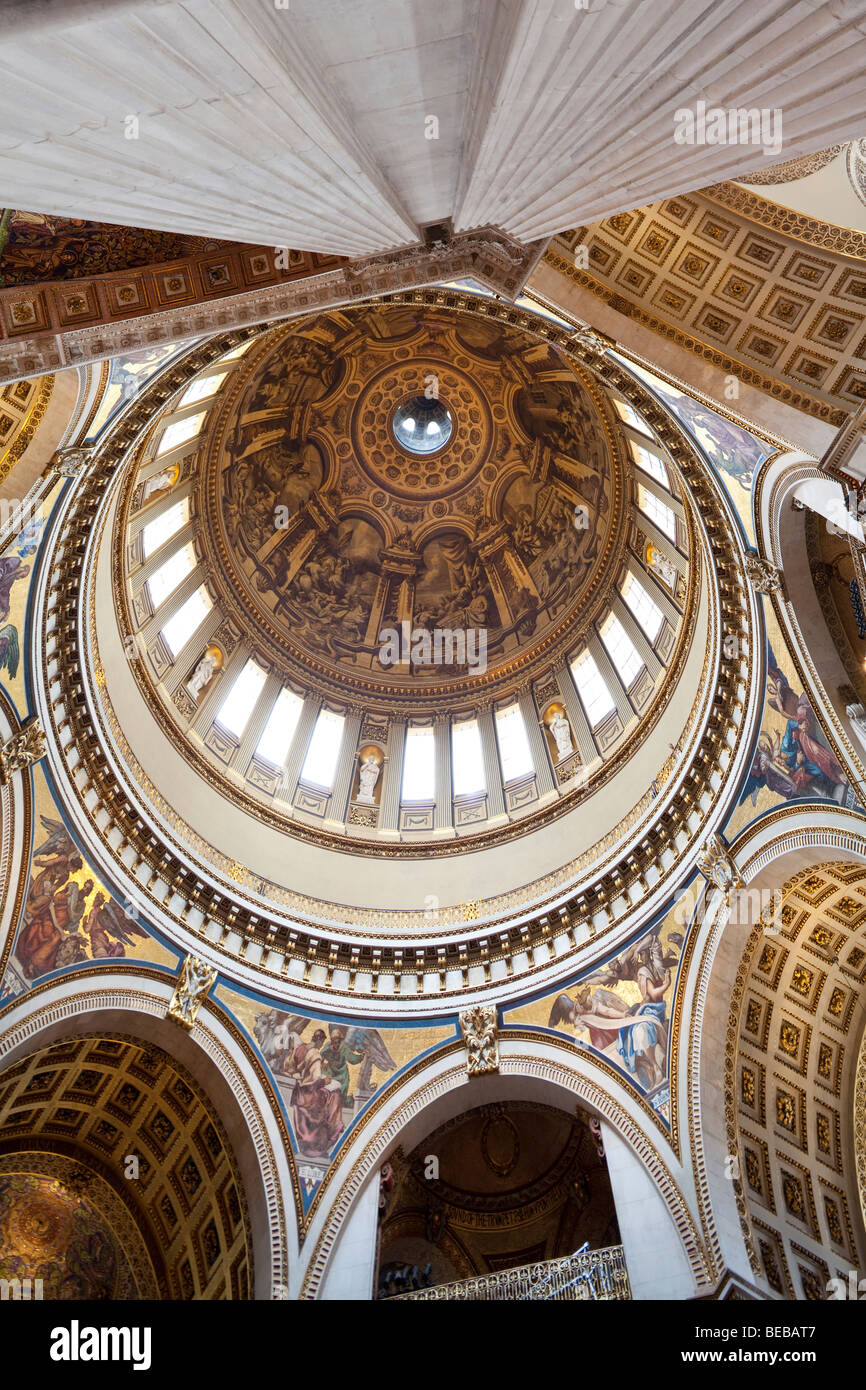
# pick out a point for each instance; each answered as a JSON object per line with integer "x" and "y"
{"x": 346, "y": 554}
{"x": 326, "y": 794}
{"x": 422, "y": 425}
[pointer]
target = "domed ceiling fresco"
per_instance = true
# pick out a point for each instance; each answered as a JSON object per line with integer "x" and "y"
{"x": 331, "y": 531}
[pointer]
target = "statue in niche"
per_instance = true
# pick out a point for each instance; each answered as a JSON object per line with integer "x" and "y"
{"x": 857, "y": 714}
{"x": 204, "y": 672}
{"x": 662, "y": 566}
{"x": 160, "y": 482}
{"x": 368, "y": 777}
{"x": 561, "y": 730}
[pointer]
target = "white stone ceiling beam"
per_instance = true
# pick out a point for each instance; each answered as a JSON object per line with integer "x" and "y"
{"x": 308, "y": 126}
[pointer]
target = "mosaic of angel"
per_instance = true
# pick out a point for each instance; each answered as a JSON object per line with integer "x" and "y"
{"x": 635, "y": 1034}
{"x": 57, "y": 929}
{"x": 794, "y": 761}
{"x": 320, "y": 1066}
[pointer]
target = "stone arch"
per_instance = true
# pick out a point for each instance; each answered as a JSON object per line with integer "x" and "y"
{"x": 781, "y": 534}
{"x": 769, "y": 853}
{"x": 539, "y": 1069}
{"x": 133, "y": 1002}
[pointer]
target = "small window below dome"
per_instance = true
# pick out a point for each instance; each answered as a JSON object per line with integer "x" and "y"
{"x": 181, "y": 432}
{"x": 179, "y": 629}
{"x": 202, "y": 388}
{"x": 467, "y": 758}
{"x": 515, "y": 755}
{"x": 628, "y": 413}
{"x": 320, "y": 763}
{"x": 163, "y": 527}
{"x": 621, "y": 650}
{"x": 236, "y": 708}
{"x": 165, "y": 580}
{"x": 419, "y": 764}
{"x": 645, "y": 609}
{"x": 280, "y": 729}
{"x": 657, "y": 511}
{"x": 594, "y": 694}
{"x": 650, "y": 463}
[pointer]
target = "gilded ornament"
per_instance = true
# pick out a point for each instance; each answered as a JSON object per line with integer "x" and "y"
{"x": 196, "y": 978}
{"x": 480, "y": 1035}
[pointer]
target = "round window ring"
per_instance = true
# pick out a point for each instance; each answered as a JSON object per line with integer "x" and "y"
{"x": 422, "y": 425}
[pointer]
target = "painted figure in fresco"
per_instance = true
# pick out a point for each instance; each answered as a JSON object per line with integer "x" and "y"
{"x": 639, "y": 1031}
{"x": 317, "y": 1101}
{"x": 9, "y": 650}
{"x": 45, "y": 916}
{"x": 336, "y": 1055}
{"x": 110, "y": 929}
{"x": 12, "y": 568}
{"x": 798, "y": 762}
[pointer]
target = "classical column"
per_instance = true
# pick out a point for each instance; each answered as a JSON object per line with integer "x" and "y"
{"x": 642, "y": 644}
{"x": 492, "y": 770}
{"x": 537, "y": 743}
{"x": 392, "y": 775}
{"x": 443, "y": 812}
{"x": 345, "y": 769}
{"x": 298, "y": 749}
{"x": 598, "y": 651}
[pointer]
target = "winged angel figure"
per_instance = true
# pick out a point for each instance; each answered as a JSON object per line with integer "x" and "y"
{"x": 639, "y": 1030}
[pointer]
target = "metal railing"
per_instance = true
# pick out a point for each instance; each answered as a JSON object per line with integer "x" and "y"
{"x": 590, "y": 1274}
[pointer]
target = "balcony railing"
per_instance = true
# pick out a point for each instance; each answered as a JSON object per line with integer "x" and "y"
{"x": 595, "y": 1274}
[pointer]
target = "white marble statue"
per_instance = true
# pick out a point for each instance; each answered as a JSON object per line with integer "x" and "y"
{"x": 662, "y": 566}
{"x": 202, "y": 675}
{"x": 157, "y": 483}
{"x": 857, "y": 714}
{"x": 561, "y": 730}
{"x": 368, "y": 777}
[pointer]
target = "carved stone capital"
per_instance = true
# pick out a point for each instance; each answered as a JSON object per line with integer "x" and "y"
{"x": 593, "y": 343}
{"x": 480, "y": 1035}
{"x": 718, "y": 866}
{"x": 70, "y": 463}
{"x": 194, "y": 981}
{"x": 763, "y": 577}
{"x": 21, "y": 750}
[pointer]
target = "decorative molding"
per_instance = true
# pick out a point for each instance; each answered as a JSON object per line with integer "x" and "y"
{"x": 194, "y": 981}
{"x": 22, "y": 750}
{"x": 479, "y": 1028}
{"x": 488, "y": 256}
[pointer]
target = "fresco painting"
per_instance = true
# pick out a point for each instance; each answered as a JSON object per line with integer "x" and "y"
{"x": 792, "y": 758}
{"x": 326, "y": 1071}
{"x": 17, "y": 567}
{"x": 620, "y": 1010}
{"x": 69, "y": 916}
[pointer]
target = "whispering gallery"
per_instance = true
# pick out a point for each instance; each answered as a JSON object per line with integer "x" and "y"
{"x": 433, "y": 650}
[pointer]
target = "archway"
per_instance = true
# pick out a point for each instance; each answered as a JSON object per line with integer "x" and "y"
{"x": 213, "y": 1061}
{"x": 652, "y": 1212}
